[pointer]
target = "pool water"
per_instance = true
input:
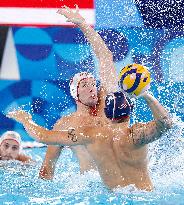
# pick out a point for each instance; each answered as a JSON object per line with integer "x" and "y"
{"x": 20, "y": 183}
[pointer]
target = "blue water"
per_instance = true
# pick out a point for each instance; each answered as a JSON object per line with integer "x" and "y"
{"x": 19, "y": 184}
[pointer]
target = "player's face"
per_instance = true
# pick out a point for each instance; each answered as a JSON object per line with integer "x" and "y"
{"x": 9, "y": 149}
{"x": 87, "y": 91}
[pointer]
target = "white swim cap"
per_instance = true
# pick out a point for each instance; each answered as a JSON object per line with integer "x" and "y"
{"x": 74, "y": 82}
{"x": 11, "y": 135}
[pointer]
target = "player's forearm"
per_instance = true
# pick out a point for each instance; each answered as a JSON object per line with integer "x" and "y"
{"x": 160, "y": 114}
{"x": 49, "y": 163}
{"x": 44, "y": 135}
{"x": 99, "y": 47}
{"x": 36, "y": 131}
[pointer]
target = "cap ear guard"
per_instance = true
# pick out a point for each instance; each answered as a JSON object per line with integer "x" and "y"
{"x": 109, "y": 105}
{"x": 131, "y": 104}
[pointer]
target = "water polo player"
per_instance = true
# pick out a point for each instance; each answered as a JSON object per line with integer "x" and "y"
{"x": 108, "y": 79}
{"x": 11, "y": 147}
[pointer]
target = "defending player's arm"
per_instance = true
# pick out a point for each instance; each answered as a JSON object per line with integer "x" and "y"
{"x": 52, "y": 155}
{"x": 70, "y": 137}
{"x": 144, "y": 133}
{"x": 107, "y": 70}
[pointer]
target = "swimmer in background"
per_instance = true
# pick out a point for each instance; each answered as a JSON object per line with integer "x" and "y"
{"x": 118, "y": 150}
{"x": 11, "y": 147}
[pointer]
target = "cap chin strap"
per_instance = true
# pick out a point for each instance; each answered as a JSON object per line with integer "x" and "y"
{"x": 93, "y": 110}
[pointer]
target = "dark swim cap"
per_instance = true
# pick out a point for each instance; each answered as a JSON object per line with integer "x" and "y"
{"x": 117, "y": 106}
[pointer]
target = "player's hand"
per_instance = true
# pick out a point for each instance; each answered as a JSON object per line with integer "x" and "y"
{"x": 19, "y": 115}
{"x": 72, "y": 16}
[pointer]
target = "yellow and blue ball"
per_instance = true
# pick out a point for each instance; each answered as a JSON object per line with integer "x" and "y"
{"x": 134, "y": 79}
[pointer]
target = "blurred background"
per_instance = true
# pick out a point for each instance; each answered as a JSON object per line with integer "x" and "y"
{"x": 40, "y": 52}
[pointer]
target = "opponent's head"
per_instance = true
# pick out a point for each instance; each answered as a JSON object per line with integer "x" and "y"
{"x": 10, "y": 145}
{"x": 117, "y": 107}
{"x": 83, "y": 88}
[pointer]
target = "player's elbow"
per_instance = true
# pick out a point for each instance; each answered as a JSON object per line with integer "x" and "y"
{"x": 165, "y": 124}
{"x": 168, "y": 123}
